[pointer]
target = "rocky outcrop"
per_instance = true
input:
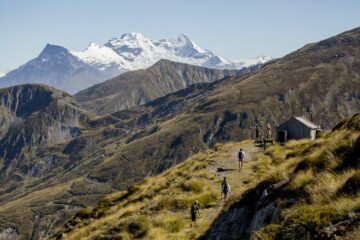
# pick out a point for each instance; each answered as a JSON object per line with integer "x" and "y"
{"x": 257, "y": 208}
{"x": 32, "y": 116}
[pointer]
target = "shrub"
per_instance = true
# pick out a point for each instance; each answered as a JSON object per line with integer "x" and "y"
{"x": 207, "y": 199}
{"x": 173, "y": 224}
{"x": 301, "y": 179}
{"x": 352, "y": 185}
{"x": 267, "y": 233}
{"x": 139, "y": 227}
{"x": 192, "y": 186}
{"x": 85, "y": 213}
{"x": 306, "y": 221}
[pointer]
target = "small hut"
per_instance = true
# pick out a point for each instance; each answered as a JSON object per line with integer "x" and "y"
{"x": 296, "y": 128}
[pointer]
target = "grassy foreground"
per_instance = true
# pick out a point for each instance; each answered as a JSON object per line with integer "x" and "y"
{"x": 322, "y": 176}
{"x": 158, "y": 207}
{"x": 325, "y": 178}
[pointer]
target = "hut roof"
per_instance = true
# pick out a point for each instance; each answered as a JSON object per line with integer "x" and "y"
{"x": 307, "y": 122}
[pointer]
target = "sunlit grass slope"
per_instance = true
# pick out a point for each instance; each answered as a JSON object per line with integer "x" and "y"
{"x": 325, "y": 178}
{"x": 158, "y": 207}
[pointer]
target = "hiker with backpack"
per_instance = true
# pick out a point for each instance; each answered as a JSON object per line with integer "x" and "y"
{"x": 194, "y": 210}
{"x": 241, "y": 157}
{"x": 225, "y": 188}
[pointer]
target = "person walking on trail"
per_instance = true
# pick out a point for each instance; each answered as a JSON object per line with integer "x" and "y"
{"x": 225, "y": 188}
{"x": 194, "y": 210}
{"x": 241, "y": 157}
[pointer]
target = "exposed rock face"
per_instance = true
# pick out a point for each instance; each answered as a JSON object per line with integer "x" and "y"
{"x": 32, "y": 116}
{"x": 256, "y": 209}
{"x": 139, "y": 87}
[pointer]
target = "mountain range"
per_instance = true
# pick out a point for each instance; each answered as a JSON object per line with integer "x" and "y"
{"x": 73, "y": 71}
{"x": 138, "y": 87}
{"x": 58, "y": 157}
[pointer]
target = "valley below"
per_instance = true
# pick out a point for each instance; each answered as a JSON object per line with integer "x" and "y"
{"x": 85, "y": 166}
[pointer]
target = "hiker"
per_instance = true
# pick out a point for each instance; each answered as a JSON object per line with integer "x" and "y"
{"x": 241, "y": 157}
{"x": 257, "y": 132}
{"x": 225, "y": 188}
{"x": 194, "y": 210}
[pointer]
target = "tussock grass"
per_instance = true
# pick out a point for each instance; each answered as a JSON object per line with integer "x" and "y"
{"x": 158, "y": 207}
{"x": 302, "y": 179}
{"x": 352, "y": 185}
{"x": 195, "y": 186}
{"x": 139, "y": 227}
{"x": 325, "y": 177}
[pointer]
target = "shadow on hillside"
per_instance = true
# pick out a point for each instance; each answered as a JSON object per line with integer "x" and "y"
{"x": 226, "y": 169}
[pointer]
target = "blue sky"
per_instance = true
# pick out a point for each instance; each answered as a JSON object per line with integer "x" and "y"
{"x": 230, "y": 28}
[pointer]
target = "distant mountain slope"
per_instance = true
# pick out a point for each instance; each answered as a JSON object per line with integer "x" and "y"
{"x": 112, "y": 152}
{"x": 33, "y": 116}
{"x": 73, "y": 71}
{"x": 57, "y": 67}
{"x": 141, "y": 86}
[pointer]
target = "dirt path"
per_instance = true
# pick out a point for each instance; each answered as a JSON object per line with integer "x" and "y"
{"x": 238, "y": 180}
{"x": 168, "y": 223}
{"x": 230, "y": 163}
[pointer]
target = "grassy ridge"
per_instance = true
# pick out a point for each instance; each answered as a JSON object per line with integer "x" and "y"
{"x": 325, "y": 176}
{"x": 158, "y": 207}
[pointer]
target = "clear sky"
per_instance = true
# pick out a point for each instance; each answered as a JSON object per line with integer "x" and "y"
{"x": 233, "y": 29}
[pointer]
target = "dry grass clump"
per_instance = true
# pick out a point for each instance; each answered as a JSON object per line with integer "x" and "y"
{"x": 325, "y": 177}
{"x": 267, "y": 233}
{"x": 306, "y": 221}
{"x": 158, "y": 207}
{"x": 302, "y": 178}
{"x": 139, "y": 227}
{"x": 352, "y": 186}
{"x": 195, "y": 186}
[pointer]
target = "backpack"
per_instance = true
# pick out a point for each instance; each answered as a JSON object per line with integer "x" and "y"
{"x": 241, "y": 155}
{"x": 225, "y": 187}
{"x": 194, "y": 208}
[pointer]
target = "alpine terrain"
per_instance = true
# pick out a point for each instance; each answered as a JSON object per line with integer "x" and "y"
{"x": 57, "y": 158}
{"x": 141, "y": 86}
{"x": 73, "y": 71}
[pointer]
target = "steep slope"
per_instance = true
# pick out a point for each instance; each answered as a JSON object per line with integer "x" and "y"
{"x": 139, "y": 87}
{"x": 33, "y": 116}
{"x": 57, "y": 67}
{"x": 312, "y": 192}
{"x": 160, "y": 204}
{"x": 73, "y": 71}
{"x": 117, "y": 150}
{"x": 302, "y": 190}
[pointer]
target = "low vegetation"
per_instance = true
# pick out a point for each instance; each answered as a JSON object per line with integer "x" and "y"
{"x": 158, "y": 207}
{"x": 325, "y": 176}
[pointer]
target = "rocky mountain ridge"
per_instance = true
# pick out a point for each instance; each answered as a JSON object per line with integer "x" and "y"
{"x": 72, "y": 71}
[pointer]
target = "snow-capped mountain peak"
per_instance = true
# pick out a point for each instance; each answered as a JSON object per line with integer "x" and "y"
{"x": 73, "y": 71}
{"x": 51, "y": 50}
{"x": 100, "y": 56}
